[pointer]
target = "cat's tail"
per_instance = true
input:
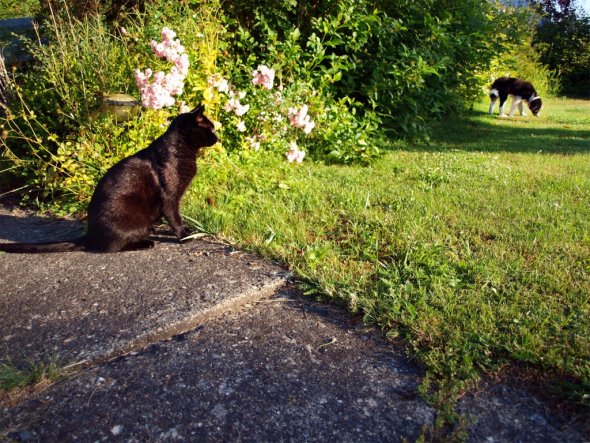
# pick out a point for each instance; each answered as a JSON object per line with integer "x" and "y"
{"x": 31, "y": 248}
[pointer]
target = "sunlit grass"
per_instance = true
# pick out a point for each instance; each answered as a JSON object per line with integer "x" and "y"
{"x": 474, "y": 247}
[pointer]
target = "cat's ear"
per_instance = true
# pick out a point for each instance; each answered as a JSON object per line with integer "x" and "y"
{"x": 198, "y": 110}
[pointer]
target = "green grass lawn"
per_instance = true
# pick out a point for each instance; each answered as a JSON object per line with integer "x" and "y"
{"x": 473, "y": 247}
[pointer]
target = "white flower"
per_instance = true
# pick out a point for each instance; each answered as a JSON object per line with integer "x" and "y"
{"x": 254, "y": 143}
{"x": 294, "y": 154}
{"x": 241, "y": 109}
{"x": 184, "y": 108}
{"x": 263, "y": 76}
{"x": 309, "y": 125}
{"x": 218, "y": 82}
{"x": 299, "y": 119}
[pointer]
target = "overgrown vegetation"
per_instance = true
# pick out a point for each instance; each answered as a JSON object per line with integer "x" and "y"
{"x": 360, "y": 71}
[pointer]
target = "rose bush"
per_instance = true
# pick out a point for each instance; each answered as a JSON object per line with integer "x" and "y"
{"x": 159, "y": 92}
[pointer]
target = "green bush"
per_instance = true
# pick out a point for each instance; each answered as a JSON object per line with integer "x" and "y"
{"x": 345, "y": 132}
{"x": 409, "y": 62}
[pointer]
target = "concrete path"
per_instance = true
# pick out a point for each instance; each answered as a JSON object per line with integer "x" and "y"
{"x": 80, "y": 308}
{"x": 199, "y": 342}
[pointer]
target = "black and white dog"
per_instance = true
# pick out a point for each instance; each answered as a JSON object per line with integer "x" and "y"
{"x": 519, "y": 90}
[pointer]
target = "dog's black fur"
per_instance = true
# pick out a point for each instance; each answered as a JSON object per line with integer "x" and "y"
{"x": 140, "y": 189}
{"x": 519, "y": 90}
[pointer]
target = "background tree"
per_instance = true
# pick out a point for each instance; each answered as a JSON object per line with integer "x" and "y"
{"x": 563, "y": 40}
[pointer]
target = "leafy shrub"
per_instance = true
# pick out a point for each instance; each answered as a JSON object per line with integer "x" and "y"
{"x": 406, "y": 62}
{"x": 345, "y": 132}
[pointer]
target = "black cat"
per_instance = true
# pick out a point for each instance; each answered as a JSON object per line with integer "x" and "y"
{"x": 140, "y": 189}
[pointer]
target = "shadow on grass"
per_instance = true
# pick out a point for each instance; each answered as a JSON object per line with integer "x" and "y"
{"x": 480, "y": 132}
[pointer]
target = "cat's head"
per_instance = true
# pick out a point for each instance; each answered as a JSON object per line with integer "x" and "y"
{"x": 200, "y": 129}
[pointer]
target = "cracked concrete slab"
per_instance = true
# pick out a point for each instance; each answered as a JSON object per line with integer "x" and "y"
{"x": 282, "y": 369}
{"x": 82, "y": 308}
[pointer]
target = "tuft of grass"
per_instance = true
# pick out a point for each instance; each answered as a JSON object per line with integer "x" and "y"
{"x": 474, "y": 247}
{"x": 12, "y": 378}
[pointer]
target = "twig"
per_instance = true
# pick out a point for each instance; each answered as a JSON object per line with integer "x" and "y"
{"x": 331, "y": 342}
{"x": 14, "y": 190}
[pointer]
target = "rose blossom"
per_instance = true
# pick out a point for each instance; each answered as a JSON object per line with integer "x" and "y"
{"x": 294, "y": 154}
{"x": 158, "y": 93}
{"x": 299, "y": 119}
{"x": 263, "y": 76}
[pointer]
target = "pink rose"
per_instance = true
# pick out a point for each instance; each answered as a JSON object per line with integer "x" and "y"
{"x": 263, "y": 76}
{"x": 294, "y": 154}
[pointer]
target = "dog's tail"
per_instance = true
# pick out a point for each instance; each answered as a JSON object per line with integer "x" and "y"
{"x": 31, "y": 248}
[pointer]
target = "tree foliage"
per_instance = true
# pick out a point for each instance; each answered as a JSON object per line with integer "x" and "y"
{"x": 563, "y": 41}
{"x": 111, "y": 9}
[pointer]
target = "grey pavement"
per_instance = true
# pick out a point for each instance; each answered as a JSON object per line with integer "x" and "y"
{"x": 200, "y": 342}
{"x": 81, "y": 308}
